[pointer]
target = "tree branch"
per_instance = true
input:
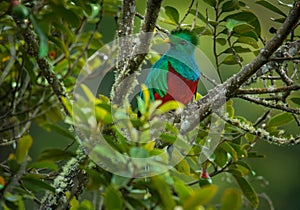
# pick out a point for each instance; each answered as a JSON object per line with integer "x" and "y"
{"x": 122, "y": 88}
{"x": 217, "y": 96}
{"x": 267, "y": 90}
{"x": 273, "y": 105}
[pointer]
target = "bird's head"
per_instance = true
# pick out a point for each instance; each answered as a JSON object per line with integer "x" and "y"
{"x": 183, "y": 41}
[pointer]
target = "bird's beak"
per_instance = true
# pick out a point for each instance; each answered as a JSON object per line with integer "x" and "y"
{"x": 167, "y": 40}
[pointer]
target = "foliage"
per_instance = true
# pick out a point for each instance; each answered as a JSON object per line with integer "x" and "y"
{"x": 66, "y": 34}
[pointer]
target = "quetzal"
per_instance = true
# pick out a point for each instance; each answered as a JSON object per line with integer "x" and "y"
{"x": 176, "y": 74}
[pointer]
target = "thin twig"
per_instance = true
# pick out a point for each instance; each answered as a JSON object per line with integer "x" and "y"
{"x": 186, "y": 14}
{"x": 156, "y": 26}
{"x": 270, "y": 104}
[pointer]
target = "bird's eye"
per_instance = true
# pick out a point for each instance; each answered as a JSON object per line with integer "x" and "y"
{"x": 183, "y": 42}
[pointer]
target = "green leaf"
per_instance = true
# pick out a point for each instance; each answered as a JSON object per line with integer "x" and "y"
{"x": 221, "y": 41}
{"x": 24, "y": 144}
{"x": 55, "y": 155}
{"x": 248, "y": 40}
{"x": 246, "y": 17}
{"x": 200, "y": 197}
{"x": 229, "y": 108}
{"x": 96, "y": 179}
{"x": 237, "y": 49}
{"x": 231, "y": 199}
{"x": 138, "y": 152}
{"x": 203, "y": 30}
{"x": 228, "y": 148}
{"x": 230, "y": 6}
{"x": 271, "y": 7}
{"x": 183, "y": 191}
{"x": 44, "y": 164}
{"x": 296, "y": 100}
{"x": 172, "y": 13}
{"x": 248, "y": 190}
{"x": 212, "y": 3}
{"x": 35, "y": 183}
{"x": 245, "y": 165}
{"x": 43, "y": 51}
{"x": 239, "y": 149}
{"x": 62, "y": 131}
{"x": 230, "y": 60}
{"x": 243, "y": 28}
{"x": 232, "y": 23}
{"x": 183, "y": 167}
{"x": 280, "y": 119}
{"x": 112, "y": 199}
{"x": 160, "y": 185}
{"x": 168, "y": 106}
{"x": 221, "y": 156}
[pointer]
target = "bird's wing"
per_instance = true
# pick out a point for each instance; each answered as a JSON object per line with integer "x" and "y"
{"x": 156, "y": 80}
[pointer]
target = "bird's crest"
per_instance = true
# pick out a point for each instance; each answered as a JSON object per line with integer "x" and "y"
{"x": 187, "y": 35}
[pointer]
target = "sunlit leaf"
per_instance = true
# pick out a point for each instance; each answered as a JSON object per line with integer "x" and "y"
{"x": 183, "y": 167}
{"x": 112, "y": 198}
{"x": 24, "y": 144}
{"x": 160, "y": 185}
{"x": 231, "y": 199}
{"x": 229, "y": 108}
{"x": 248, "y": 190}
{"x": 146, "y": 94}
{"x": 88, "y": 92}
{"x": 168, "y": 106}
{"x": 183, "y": 191}
{"x": 200, "y": 197}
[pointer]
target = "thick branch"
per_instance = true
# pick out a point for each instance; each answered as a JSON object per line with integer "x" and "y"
{"x": 216, "y": 97}
{"x": 45, "y": 67}
{"x": 267, "y": 90}
{"x": 122, "y": 87}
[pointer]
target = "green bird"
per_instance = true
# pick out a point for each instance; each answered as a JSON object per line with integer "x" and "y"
{"x": 176, "y": 74}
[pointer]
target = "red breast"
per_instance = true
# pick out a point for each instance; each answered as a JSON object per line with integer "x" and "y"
{"x": 179, "y": 88}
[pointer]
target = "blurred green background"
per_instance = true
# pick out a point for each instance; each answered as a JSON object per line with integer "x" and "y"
{"x": 280, "y": 169}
